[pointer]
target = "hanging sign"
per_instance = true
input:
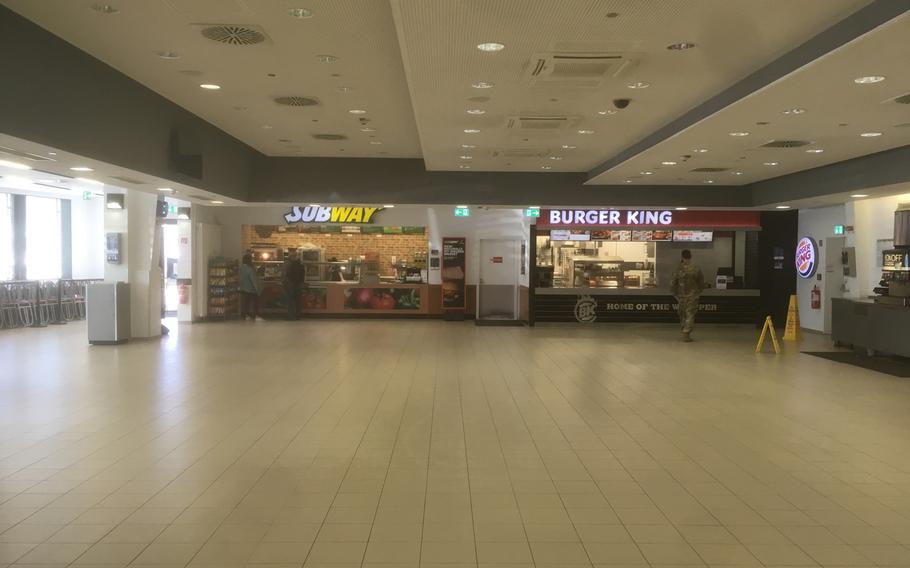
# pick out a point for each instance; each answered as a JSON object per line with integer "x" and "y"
{"x": 647, "y": 219}
{"x": 806, "y": 257}
{"x": 319, "y": 214}
{"x": 453, "y": 273}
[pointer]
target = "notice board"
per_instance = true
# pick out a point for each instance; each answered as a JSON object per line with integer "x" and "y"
{"x": 453, "y": 273}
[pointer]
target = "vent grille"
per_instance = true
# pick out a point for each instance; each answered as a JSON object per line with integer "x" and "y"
{"x": 901, "y": 100}
{"x": 538, "y": 123}
{"x": 233, "y": 34}
{"x": 24, "y": 155}
{"x": 904, "y": 125}
{"x": 520, "y": 153}
{"x": 580, "y": 70}
{"x": 296, "y": 101}
{"x": 330, "y": 137}
{"x": 709, "y": 170}
{"x": 129, "y": 180}
{"x": 786, "y": 144}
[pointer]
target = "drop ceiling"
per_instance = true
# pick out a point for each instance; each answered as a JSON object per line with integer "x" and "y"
{"x": 410, "y": 64}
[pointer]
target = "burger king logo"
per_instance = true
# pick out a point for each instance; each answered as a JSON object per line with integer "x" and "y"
{"x": 806, "y": 257}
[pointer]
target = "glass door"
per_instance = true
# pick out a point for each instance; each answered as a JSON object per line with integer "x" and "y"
{"x": 497, "y": 290}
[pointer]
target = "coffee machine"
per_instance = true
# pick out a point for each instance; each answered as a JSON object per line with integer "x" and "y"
{"x": 894, "y": 287}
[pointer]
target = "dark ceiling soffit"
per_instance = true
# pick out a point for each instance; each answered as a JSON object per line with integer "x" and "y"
{"x": 875, "y": 170}
{"x": 860, "y": 22}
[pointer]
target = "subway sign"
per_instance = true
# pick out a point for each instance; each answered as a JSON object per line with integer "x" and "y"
{"x": 604, "y": 217}
{"x": 319, "y": 214}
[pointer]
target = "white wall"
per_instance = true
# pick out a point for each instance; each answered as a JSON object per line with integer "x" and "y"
{"x": 818, "y": 224}
{"x": 872, "y": 220}
{"x": 88, "y": 237}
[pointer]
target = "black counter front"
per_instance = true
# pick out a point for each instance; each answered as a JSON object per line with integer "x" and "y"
{"x": 604, "y": 305}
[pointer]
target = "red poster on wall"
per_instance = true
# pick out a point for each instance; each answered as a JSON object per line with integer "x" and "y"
{"x": 453, "y": 273}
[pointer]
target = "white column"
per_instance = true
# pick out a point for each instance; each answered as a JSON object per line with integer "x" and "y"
{"x": 143, "y": 255}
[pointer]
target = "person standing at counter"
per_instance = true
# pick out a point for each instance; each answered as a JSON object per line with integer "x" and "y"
{"x": 250, "y": 288}
{"x": 293, "y": 285}
{"x": 686, "y": 285}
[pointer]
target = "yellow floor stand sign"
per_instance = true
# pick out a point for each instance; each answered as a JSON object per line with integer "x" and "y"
{"x": 791, "y": 330}
{"x": 765, "y": 330}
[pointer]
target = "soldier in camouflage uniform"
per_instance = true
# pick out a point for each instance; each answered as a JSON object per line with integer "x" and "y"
{"x": 686, "y": 286}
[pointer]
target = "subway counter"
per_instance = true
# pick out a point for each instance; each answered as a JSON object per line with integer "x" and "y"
{"x": 352, "y": 299}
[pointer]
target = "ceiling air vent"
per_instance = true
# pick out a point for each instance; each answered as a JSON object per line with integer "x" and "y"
{"x": 296, "y": 101}
{"x": 233, "y": 34}
{"x": 900, "y": 99}
{"x": 520, "y": 153}
{"x": 129, "y": 180}
{"x": 540, "y": 123}
{"x": 330, "y": 137}
{"x": 709, "y": 170}
{"x": 24, "y": 155}
{"x": 786, "y": 144}
{"x": 579, "y": 70}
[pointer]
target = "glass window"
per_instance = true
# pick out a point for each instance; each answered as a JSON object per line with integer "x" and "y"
{"x": 7, "y": 261}
{"x": 43, "y": 243}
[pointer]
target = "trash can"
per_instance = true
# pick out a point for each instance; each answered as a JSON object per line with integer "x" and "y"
{"x": 108, "y": 313}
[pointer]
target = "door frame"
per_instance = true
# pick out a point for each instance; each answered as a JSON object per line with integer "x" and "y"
{"x": 516, "y": 296}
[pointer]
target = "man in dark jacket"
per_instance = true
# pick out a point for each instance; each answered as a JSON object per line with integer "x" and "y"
{"x": 293, "y": 285}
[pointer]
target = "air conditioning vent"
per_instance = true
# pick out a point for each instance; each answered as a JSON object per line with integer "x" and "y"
{"x": 530, "y": 123}
{"x": 129, "y": 180}
{"x": 233, "y": 34}
{"x": 330, "y": 137}
{"x": 902, "y": 125}
{"x": 708, "y": 170}
{"x": 296, "y": 101}
{"x": 901, "y": 99}
{"x": 579, "y": 70}
{"x": 786, "y": 144}
{"x": 520, "y": 153}
{"x": 24, "y": 155}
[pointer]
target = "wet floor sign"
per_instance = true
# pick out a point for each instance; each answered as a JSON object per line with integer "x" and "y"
{"x": 791, "y": 329}
{"x": 768, "y": 328}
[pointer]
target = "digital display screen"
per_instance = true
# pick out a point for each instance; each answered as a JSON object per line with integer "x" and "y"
{"x": 569, "y": 235}
{"x": 693, "y": 236}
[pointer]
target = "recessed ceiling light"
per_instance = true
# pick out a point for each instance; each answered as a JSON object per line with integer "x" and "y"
{"x": 471, "y": 131}
{"x": 683, "y": 45}
{"x": 857, "y": 195}
{"x": 699, "y": 150}
{"x": 682, "y": 208}
{"x": 476, "y": 111}
{"x": 795, "y": 110}
{"x": 300, "y": 13}
{"x": 771, "y": 163}
{"x": 367, "y": 129}
{"x": 568, "y": 147}
{"x": 606, "y": 112}
{"x": 314, "y": 205}
{"x": 325, "y": 58}
{"x": 466, "y": 157}
{"x": 91, "y": 181}
{"x": 646, "y": 173}
{"x": 783, "y": 207}
{"x": 708, "y": 181}
{"x": 217, "y": 201}
{"x": 210, "y": 86}
{"x": 868, "y": 80}
{"x": 52, "y": 153}
{"x": 468, "y": 146}
{"x": 737, "y": 173}
{"x": 104, "y": 8}
{"x": 165, "y": 189}
{"x": 357, "y": 111}
{"x": 167, "y": 54}
{"x": 388, "y": 206}
{"x": 266, "y": 127}
{"x": 870, "y": 134}
{"x": 464, "y": 166}
{"x": 375, "y": 142}
{"x": 343, "y": 89}
{"x": 628, "y": 181}
{"x": 546, "y": 167}
{"x": 490, "y": 46}
{"x": 668, "y": 163}
{"x": 14, "y": 165}
{"x": 585, "y": 131}
{"x": 482, "y": 85}
{"x": 739, "y": 134}
{"x": 814, "y": 151}
{"x": 82, "y": 169}
{"x": 639, "y": 85}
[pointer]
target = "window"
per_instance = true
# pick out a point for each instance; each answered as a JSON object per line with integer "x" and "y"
{"x": 43, "y": 242}
{"x": 7, "y": 262}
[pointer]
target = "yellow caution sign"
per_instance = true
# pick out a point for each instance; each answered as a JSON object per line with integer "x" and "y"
{"x": 765, "y": 330}
{"x": 791, "y": 330}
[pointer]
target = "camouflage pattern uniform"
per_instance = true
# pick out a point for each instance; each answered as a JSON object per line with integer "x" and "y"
{"x": 686, "y": 286}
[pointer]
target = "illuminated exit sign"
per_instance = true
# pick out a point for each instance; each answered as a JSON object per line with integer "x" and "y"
{"x": 462, "y": 212}
{"x": 532, "y": 212}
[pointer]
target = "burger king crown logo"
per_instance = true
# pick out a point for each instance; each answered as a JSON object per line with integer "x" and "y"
{"x": 806, "y": 257}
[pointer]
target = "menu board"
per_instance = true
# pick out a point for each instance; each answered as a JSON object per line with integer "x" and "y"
{"x": 453, "y": 273}
{"x": 693, "y": 236}
{"x": 569, "y": 235}
{"x": 662, "y": 235}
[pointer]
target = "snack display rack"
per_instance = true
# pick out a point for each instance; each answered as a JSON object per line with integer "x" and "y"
{"x": 223, "y": 288}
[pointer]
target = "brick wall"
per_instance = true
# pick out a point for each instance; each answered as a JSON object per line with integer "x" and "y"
{"x": 342, "y": 246}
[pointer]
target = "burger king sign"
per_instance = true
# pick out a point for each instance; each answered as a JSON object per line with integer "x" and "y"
{"x": 806, "y": 257}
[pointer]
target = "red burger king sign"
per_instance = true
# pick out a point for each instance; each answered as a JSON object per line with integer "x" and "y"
{"x": 806, "y": 257}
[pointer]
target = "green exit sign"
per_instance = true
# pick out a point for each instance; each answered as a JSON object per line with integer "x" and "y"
{"x": 838, "y": 229}
{"x": 87, "y": 195}
{"x": 172, "y": 209}
{"x": 532, "y": 212}
{"x": 462, "y": 212}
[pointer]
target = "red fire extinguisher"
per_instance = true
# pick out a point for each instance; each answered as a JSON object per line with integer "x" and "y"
{"x": 815, "y": 298}
{"x": 183, "y": 294}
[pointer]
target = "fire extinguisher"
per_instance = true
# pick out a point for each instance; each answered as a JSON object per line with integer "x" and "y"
{"x": 815, "y": 298}
{"x": 183, "y": 294}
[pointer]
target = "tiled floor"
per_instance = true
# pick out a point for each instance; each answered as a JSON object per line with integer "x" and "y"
{"x": 434, "y": 444}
